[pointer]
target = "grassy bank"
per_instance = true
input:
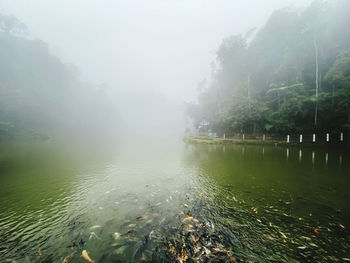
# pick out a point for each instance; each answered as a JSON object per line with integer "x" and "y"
{"x": 211, "y": 140}
{"x": 216, "y": 141}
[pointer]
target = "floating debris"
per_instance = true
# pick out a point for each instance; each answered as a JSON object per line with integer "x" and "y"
{"x": 141, "y": 217}
{"x": 283, "y": 235}
{"x": 86, "y": 257}
{"x": 194, "y": 239}
{"x": 143, "y": 257}
{"x": 116, "y": 235}
{"x": 39, "y": 257}
{"x": 269, "y": 236}
{"x": 197, "y": 242}
{"x": 190, "y": 218}
{"x": 94, "y": 235}
{"x": 152, "y": 235}
{"x": 120, "y": 250}
{"x": 69, "y": 257}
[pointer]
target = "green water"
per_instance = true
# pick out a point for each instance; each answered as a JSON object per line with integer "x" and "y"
{"x": 282, "y": 205}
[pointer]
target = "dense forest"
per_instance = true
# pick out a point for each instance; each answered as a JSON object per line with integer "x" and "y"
{"x": 292, "y": 75}
{"x": 40, "y": 96}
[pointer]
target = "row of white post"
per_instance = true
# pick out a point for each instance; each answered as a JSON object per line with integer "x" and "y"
{"x": 299, "y": 155}
{"x": 314, "y": 137}
{"x": 300, "y": 137}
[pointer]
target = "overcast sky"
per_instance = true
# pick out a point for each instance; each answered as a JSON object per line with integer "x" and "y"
{"x": 162, "y": 46}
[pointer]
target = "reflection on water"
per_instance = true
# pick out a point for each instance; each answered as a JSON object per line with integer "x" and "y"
{"x": 282, "y": 204}
{"x": 338, "y": 155}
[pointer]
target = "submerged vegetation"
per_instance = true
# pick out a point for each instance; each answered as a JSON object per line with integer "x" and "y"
{"x": 292, "y": 75}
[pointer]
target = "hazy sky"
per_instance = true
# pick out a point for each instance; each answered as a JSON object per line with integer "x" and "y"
{"x": 160, "y": 45}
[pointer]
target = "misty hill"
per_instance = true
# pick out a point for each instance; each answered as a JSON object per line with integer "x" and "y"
{"x": 293, "y": 75}
{"x": 40, "y": 96}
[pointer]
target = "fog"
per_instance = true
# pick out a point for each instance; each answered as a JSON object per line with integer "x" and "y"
{"x": 168, "y": 45}
{"x": 152, "y": 55}
{"x": 174, "y": 131}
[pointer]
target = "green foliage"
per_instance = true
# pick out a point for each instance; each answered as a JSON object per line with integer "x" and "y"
{"x": 268, "y": 84}
{"x": 10, "y": 24}
{"x": 246, "y": 115}
{"x": 340, "y": 71}
{"x": 41, "y": 95}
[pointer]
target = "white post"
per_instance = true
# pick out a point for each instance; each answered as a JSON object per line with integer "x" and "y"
{"x": 341, "y": 136}
{"x": 300, "y": 155}
{"x": 224, "y": 136}
{"x": 263, "y": 137}
{"x": 313, "y": 137}
{"x": 327, "y": 137}
{"x": 326, "y": 158}
{"x": 313, "y": 157}
{"x": 301, "y": 138}
{"x": 243, "y": 136}
{"x": 287, "y": 153}
{"x": 288, "y": 137}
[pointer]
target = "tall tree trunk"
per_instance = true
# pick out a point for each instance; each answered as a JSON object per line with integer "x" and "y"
{"x": 333, "y": 95}
{"x": 248, "y": 84}
{"x": 317, "y": 80}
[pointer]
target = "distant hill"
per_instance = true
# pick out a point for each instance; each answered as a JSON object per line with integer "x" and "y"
{"x": 41, "y": 97}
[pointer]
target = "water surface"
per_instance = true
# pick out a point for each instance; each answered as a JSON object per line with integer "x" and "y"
{"x": 281, "y": 204}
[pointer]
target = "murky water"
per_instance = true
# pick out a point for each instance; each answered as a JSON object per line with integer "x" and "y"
{"x": 124, "y": 202}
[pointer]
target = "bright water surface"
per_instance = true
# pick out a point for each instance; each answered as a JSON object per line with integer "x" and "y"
{"x": 282, "y": 205}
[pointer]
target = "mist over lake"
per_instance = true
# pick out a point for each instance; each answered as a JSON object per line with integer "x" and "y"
{"x": 174, "y": 131}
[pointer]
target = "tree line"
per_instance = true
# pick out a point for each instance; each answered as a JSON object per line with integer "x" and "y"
{"x": 42, "y": 97}
{"x": 292, "y": 75}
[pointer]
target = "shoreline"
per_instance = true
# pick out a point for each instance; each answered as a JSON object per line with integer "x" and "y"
{"x": 203, "y": 140}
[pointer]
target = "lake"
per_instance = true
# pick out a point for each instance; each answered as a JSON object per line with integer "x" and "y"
{"x": 144, "y": 201}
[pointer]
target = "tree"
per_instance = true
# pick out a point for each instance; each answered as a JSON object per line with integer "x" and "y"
{"x": 291, "y": 76}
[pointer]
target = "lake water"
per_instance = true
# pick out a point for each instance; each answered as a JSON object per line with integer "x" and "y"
{"x": 126, "y": 202}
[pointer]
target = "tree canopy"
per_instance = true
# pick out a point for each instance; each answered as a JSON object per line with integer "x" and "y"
{"x": 292, "y": 76}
